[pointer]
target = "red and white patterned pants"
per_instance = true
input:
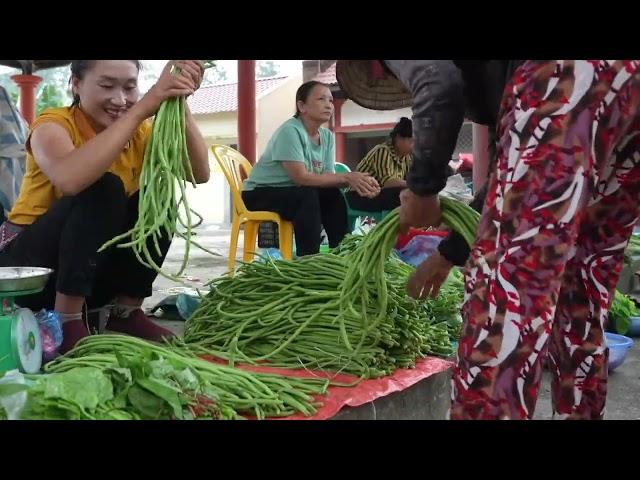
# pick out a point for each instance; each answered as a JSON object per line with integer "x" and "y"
{"x": 561, "y": 206}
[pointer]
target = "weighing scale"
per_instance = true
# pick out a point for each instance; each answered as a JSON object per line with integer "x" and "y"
{"x": 20, "y": 343}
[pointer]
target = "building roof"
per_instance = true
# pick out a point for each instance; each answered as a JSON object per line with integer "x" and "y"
{"x": 224, "y": 97}
{"x": 327, "y": 77}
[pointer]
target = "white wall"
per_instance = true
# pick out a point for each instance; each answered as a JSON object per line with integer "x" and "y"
{"x": 218, "y": 127}
{"x": 353, "y": 114}
{"x": 274, "y": 109}
{"x": 211, "y": 199}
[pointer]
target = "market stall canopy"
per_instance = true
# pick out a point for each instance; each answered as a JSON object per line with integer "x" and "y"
{"x": 29, "y": 67}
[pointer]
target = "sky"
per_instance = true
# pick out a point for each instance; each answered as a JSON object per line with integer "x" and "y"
{"x": 287, "y": 67}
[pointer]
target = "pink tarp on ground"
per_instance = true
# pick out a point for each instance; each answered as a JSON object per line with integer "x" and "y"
{"x": 363, "y": 392}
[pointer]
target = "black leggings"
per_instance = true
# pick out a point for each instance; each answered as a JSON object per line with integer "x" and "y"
{"x": 66, "y": 238}
{"x": 387, "y": 199}
{"x": 308, "y": 208}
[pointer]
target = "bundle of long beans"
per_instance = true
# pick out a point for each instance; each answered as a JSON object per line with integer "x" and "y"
{"x": 232, "y": 389}
{"x": 166, "y": 169}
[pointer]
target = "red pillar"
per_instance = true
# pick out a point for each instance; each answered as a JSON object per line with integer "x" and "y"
{"x": 247, "y": 109}
{"x": 27, "y": 85}
{"x": 337, "y": 111}
{"x": 340, "y": 136}
{"x": 340, "y": 147}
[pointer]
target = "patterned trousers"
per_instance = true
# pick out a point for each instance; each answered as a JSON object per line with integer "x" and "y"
{"x": 562, "y": 202}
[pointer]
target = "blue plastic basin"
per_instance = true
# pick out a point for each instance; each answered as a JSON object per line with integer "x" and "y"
{"x": 619, "y": 346}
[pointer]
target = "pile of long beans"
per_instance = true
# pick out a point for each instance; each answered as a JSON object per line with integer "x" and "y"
{"x": 288, "y": 314}
{"x": 258, "y": 394}
{"x": 345, "y": 312}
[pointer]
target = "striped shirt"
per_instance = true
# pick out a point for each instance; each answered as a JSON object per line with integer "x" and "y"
{"x": 383, "y": 163}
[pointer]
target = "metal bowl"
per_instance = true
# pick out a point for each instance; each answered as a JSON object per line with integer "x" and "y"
{"x": 16, "y": 279}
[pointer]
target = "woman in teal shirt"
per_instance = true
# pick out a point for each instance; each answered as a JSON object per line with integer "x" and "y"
{"x": 296, "y": 177}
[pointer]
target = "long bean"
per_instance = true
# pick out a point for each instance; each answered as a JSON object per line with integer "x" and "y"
{"x": 259, "y": 394}
{"x": 166, "y": 163}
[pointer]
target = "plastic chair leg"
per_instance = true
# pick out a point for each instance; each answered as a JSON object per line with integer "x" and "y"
{"x": 285, "y": 239}
{"x": 233, "y": 246}
{"x": 250, "y": 240}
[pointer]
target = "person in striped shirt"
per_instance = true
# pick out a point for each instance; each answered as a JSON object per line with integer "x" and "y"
{"x": 388, "y": 163}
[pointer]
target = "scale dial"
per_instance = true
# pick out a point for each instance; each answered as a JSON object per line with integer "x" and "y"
{"x": 27, "y": 344}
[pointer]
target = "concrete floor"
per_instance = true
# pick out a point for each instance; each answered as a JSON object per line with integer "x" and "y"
{"x": 623, "y": 397}
{"x": 623, "y": 401}
{"x": 202, "y": 266}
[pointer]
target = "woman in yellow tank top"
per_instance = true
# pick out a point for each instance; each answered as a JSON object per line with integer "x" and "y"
{"x": 81, "y": 189}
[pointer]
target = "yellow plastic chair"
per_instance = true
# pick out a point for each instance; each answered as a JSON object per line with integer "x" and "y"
{"x": 233, "y": 164}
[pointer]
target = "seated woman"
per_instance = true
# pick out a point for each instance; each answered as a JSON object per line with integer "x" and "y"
{"x": 388, "y": 163}
{"x": 296, "y": 177}
{"x": 81, "y": 189}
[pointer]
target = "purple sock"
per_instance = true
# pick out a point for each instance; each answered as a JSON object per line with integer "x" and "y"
{"x": 136, "y": 323}
{"x": 73, "y": 330}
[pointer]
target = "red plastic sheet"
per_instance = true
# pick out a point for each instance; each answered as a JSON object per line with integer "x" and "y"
{"x": 359, "y": 394}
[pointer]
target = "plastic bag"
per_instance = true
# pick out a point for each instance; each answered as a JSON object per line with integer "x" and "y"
{"x": 419, "y": 248}
{"x": 273, "y": 253}
{"x": 50, "y": 333}
{"x": 457, "y": 189}
{"x": 15, "y": 402}
{"x": 177, "y": 307}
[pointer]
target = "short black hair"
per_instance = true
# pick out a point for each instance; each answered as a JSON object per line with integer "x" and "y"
{"x": 80, "y": 67}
